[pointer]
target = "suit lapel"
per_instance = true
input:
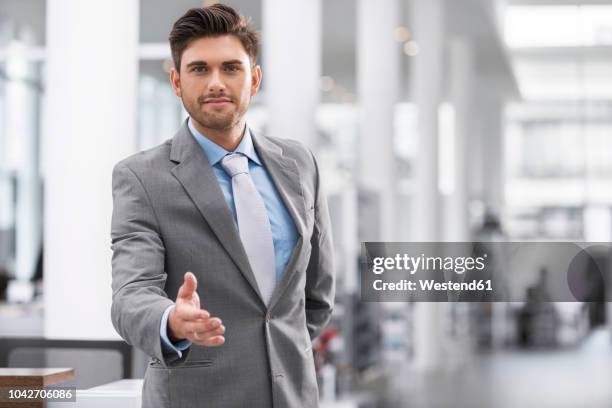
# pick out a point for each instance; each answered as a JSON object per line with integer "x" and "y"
{"x": 197, "y": 177}
{"x": 286, "y": 178}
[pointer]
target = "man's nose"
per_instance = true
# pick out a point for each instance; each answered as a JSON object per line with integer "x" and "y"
{"x": 216, "y": 84}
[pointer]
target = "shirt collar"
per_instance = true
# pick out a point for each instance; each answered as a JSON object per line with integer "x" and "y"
{"x": 215, "y": 153}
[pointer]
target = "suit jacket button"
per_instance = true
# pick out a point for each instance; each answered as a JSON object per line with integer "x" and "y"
{"x": 267, "y": 317}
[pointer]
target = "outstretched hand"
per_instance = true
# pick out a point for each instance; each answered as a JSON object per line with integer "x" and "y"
{"x": 188, "y": 321}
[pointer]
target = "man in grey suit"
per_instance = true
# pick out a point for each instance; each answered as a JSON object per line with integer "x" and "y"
{"x": 245, "y": 215}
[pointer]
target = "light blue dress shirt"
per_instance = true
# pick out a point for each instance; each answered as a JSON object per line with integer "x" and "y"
{"x": 284, "y": 232}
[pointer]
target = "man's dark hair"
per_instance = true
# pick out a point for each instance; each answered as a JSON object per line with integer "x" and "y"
{"x": 212, "y": 21}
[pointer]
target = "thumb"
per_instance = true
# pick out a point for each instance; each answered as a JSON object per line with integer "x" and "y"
{"x": 188, "y": 288}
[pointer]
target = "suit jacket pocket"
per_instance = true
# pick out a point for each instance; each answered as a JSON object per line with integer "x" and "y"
{"x": 196, "y": 363}
{"x": 156, "y": 364}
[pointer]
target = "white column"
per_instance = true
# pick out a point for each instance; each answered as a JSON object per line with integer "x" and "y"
{"x": 461, "y": 84}
{"x": 292, "y": 67}
{"x": 427, "y": 18}
{"x": 6, "y": 213}
{"x": 426, "y": 84}
{"x": 478, "y": 166}
{"x": 491, "y": 173}
{"x": 378, "y": 77}
{"x": 6, "y": 191}
{"x": 21, "y": 133}
{"x": 492, "y": 164}
{"x": 456, "y": 216}
{"x": 90, "y": 118}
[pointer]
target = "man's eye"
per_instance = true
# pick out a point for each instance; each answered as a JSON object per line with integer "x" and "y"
{"x": 199, "y": 69}
{"x": 231, "y": 68}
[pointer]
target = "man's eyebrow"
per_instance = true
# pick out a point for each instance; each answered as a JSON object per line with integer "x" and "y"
{"x": 204, "y": 63}
{"x": 193, "y": 63}
{"x": 232, "y": 62}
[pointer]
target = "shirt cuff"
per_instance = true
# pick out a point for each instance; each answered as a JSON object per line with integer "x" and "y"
{"x": 167, "y": 345}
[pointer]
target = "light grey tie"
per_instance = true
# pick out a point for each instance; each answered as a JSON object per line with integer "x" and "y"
{"x": 253, "y": 223}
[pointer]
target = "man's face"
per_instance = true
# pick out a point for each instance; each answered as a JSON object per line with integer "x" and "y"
{"x": 216, "y": 81}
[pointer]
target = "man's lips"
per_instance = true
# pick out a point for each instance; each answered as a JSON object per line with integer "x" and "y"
{"x": 216, "y": 101}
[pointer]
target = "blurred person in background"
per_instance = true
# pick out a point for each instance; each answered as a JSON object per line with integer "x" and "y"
{"x": 4, "y": 278}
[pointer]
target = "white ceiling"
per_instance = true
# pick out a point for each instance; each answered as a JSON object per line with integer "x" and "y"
{"x": 561, "y": 52}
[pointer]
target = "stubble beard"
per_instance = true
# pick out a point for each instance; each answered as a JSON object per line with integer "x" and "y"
{"x": 218, "y": 121}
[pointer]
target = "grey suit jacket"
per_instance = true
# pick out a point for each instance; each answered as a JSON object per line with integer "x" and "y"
{"x": 169, "y": 217}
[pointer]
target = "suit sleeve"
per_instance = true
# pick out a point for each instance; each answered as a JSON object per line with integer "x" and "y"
{"x": 138, "y": 280}
{"x": 320, "y": 277}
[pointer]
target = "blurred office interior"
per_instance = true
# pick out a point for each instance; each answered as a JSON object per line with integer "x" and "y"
{"x": 432, "y": 120}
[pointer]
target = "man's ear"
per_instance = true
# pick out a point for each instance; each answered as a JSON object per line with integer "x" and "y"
{"x": 255, "y": 79}
{"x": 175, "y": 81}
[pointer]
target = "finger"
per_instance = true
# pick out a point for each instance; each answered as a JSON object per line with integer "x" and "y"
{"x": 210, "y": 342}
{"x": 215, "y": 341}
{"x": 210, "y": 333}
{"x": 196, "y": 298}
{"x": 200, "y": 335}
{"x": 191, "y": 314}
{"x": 188, "y": 287}
{"x": 203, "y": 326}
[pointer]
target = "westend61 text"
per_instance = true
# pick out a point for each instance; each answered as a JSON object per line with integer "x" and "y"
{"x": 429, "y": 284}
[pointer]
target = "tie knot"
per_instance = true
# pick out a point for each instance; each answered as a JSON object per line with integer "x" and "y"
{"x": 235, "y": 163}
